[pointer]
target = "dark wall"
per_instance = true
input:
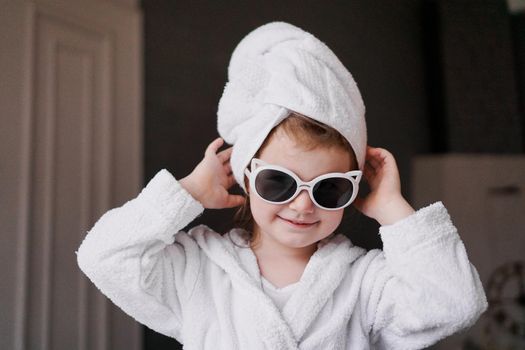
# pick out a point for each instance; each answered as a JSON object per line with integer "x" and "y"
{"x": 518, "y": 40}
{"x": 479, "y": 74}
{"x": 188, "y": 45}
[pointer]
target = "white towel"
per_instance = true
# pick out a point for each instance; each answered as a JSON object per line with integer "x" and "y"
{"x": 278, "y": 68}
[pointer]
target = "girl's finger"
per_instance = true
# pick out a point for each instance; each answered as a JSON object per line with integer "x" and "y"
{"x": 231, "y": 181}
{"x": 214, "y": 146}
{"x": 225, "y": 155}
{"x": 369, "y": 168}
{"x": 228, "y": 168}
{"x": 369, "y": 174}
{"x": 377, "y": 153}
{"x": 234, "y": 201}
{"x": 374, "y": 163}
{"x": 383, "y": 154}
{"x": 373, "y": 150}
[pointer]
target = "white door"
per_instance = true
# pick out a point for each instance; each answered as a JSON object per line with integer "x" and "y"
{"x": 70, "y": 148}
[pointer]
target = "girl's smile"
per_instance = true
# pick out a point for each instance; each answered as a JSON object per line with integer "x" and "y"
{"x": 299, "y": 223}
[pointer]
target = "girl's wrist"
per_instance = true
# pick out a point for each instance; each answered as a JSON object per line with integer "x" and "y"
{"x": 189, "y": 185}
{"x": 395, "y": 210}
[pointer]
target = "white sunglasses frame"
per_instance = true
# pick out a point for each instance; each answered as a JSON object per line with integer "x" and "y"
{"x": 354, "y": 176}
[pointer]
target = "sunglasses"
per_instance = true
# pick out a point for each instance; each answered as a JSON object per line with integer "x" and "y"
{"x": 278, "y": 185}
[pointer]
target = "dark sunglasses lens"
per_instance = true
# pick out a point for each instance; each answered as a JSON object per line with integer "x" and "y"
{"x": 333, "y": 192}
{"x": 274, "y": 185}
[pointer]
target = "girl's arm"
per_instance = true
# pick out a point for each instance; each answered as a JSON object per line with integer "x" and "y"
{"x": 137, "y": 255}
{"x": 422, "y": 287}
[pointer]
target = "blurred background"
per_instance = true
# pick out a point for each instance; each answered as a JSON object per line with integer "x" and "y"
{"x": 97, "y": 96}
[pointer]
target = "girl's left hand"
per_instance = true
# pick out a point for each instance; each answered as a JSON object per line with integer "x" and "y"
{"x": 385, "y": 202}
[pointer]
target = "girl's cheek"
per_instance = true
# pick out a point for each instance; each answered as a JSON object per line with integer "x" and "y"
{"x": 333, "y": 219}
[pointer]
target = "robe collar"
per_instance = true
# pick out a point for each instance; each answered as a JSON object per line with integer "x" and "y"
{"x": 322, "y": 275}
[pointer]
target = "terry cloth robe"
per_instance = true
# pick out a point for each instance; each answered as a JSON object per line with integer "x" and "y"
{"x": 200, "y": 288}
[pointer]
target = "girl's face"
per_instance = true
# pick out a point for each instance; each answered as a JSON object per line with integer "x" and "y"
{"x": 273, "y": 227}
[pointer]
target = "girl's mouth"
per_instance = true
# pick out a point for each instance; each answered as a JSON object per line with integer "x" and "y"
{"x": 299, "y": 224}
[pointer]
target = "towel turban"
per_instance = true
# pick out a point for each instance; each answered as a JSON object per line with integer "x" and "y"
{"x": 278, "y": 68}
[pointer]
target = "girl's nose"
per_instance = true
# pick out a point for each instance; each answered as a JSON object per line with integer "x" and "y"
{"x": 302, "y": 203}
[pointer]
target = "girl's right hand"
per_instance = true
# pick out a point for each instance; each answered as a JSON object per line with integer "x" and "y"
{"x": 212, "y": 177}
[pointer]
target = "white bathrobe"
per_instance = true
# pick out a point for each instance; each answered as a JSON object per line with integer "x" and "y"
{"x": 203, "y": 290}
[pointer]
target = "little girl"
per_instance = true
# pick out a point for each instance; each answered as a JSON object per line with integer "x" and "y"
{"x": 295, "y": 118}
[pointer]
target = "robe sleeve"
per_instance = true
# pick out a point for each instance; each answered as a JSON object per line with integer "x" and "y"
{"x": 423, "y": 286}
{"x": 138, "y": 257}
